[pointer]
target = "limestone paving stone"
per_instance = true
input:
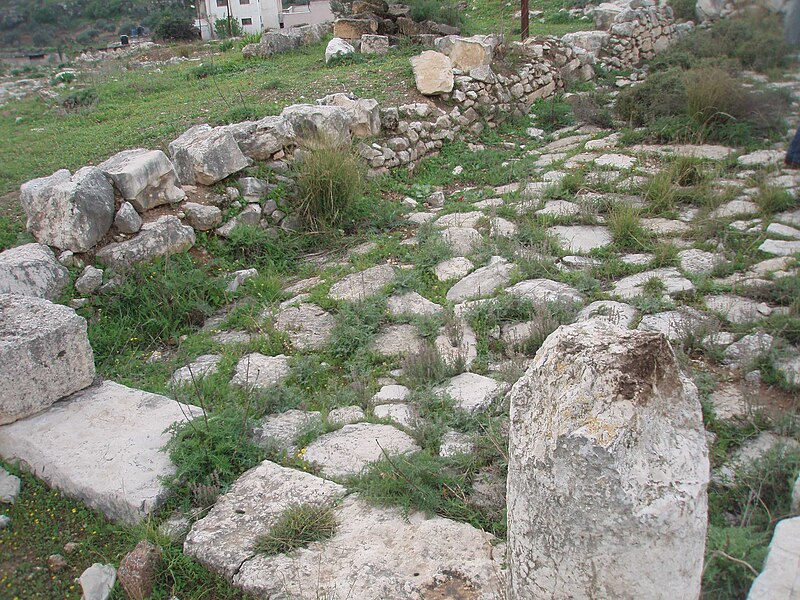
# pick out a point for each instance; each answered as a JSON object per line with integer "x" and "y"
{"x": 358, "y": 286}
{"x": 616, "y": 313}
{"x": 389, "y": 394}
{"x": 544, "y": 291}
{"x": 674, "y": 283}
{"x": 748, "y": 349}
{"x": 103, "y": 446}
{"x": 780, "y": 247}
{"x": 347, "y": 451}
{"x": 412, "y": 304}
{"x": 261, "y": 372}
{"x": 455, "y": 443}
{"x": 737, "y": 309}
{"x": 472, "y": 392}
{"x": 44, "y": 353}
{"x": 226, "y": 537}
{"x": 401, "y": 414}
{"x": 346, "y": 415}
{"x": 398, "y": 340}
{"x": 462, "y": 240}
{"x": 453, "y": 268}
{"x": 581, "y": 238}
{"x": 203, "y": 365}
{"x": 281, "y": 430}
{"x": 699, "y": 262}
{"x": 382, "y": 554}
{"x": 676, "y": 324}
{"x": 32, "y": 270}
{"x": 308, "y": 326}
{"x": 482, "y": 282}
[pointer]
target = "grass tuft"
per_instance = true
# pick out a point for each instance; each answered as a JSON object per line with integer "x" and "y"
{"x": 299, "y": 526}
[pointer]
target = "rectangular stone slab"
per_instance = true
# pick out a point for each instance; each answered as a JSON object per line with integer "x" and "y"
{"x": 103, "y": 446}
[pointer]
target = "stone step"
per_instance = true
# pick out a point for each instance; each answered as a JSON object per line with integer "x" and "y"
{"x": 103, "y": 446}
{"x": 780, "y": 579}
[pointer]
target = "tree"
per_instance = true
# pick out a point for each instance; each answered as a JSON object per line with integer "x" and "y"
{"x": 175, "y": 27}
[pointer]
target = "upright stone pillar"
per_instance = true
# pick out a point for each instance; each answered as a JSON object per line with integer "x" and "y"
{"x": 608, "y": 471}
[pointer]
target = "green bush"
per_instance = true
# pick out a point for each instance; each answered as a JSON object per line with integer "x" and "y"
{"x": 85, "y": 98}
{"x": 684, "y": 9}
{"x": 297, "y": 527}
{"x": 172, "y": 27}
{"x": 440, "y": 11}
{"x": 329, "y": 181}
{"x": 662, "y": 94}
{"x": 225, "y": 28}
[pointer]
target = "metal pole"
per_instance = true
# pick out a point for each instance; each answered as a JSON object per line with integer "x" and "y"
{"x": 228, "y": 5}
{"x": 525, "y": 28}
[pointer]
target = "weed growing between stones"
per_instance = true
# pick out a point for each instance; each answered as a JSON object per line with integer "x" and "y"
{"x": 329, "y": 181}
{"x": 299, "y": 526}
{"x": 626, "y": 229}
{"x": 771, "y": 199}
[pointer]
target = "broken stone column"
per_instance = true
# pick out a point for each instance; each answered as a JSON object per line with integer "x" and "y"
{"x": 608, "y": 470}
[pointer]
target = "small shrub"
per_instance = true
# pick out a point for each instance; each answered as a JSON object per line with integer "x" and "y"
{"x": 593, "y": 108}
{"x": 85, "y": 98}
{"x": 441, "y": 11}
{"x": 660, "y": 194}
{"x": 684, "y": 9}
{"x": 663, "y": 94}
{"x": 552, "y": 114}
{"x": 87, "y": 37}
{"x": 299, "y": 526}
{"x": 338, "y": 60}
{"x": 329, "y": 180}
{"x": 772, "y": 199}
{"x": 175, "y": 28}
{"x": 425, "y": 367}
{"x": 228, "y": 27}
{"x": 251, "y": 38}
{"x": 686, "y": 170}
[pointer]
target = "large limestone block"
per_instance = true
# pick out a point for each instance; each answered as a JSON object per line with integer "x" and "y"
{"x": 103, "y": 446}
{"x": 361, "y": 285}
{"x": 44, "y": 355}
{"x": 382, "y": 554}
{"x": 163, "y": 237}
{"x": 226, "y": 537}
{"x": 433, "y": 73}
{"x": 780, "y": 578}
{"x": 70, "y": 212}
{"x": 206, "y": 155}
{"x": 608, "y": 470}
{"x": 365, "y": 114}
{"x": 145, "y": 178}
{"x": 482, "y": 282}
{"x": 338, "y": 47}
{"x": 319, "y": 126}
{"x": 353, "y": 29}
{"x": 32, "y": 270}
{"x": 261, "y": 139}
{"x": 468, "y": 53}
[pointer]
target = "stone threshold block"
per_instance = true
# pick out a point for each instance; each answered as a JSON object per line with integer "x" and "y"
{"x": 103, "y": 446}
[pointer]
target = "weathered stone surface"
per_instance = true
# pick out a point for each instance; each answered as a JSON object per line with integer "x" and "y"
{"x": 780, "y": 247}
{"x": 464, "y": 219}
{"x": 226, "y": 537}
{"x": 403, "y": 415}
{"x": 780, "y": 577}
{"x": 737, "y": 309}
{"x": 138, "y": 570}
{"x": 251, "y": 215}
{"x": 97, "y": 581}
{"x": 412, "y": 304}
{"x": 472, "y": 392}
{"x": 319, "y": 126}
{"x": 145, "y": 178}
{"x": 728, "y": 402}
{"x": 389, "y": 394}
{"x": 735, "y": 208}
{"x": 261, "y": 139}
{"x": 581, "y": 238}
{"x": 543, "y": 291}
{"x": 453, "y": 268}
{"x": 398, "y": 340}
{"x": 482, "y": 282}
{"x": 127, "y": 220}
{"x": 468, "y": 53}
{"x": 672, "y": 281}
{"x": 109, "y": 425}
{"x": 308, "y": 326}
{"x": 281, "y": 430}
{"x": 382, "y": 554}
{"x": 675, "y": 324}
{"x": 433, "y": 73}
{"x": 699, "y": 262}
{"x": 608, "y": 469}
{"x": 753, "y": 450}
{"x": 338, "y": 47}
{"x": 205, "y": 364}
{"x": 32, "y": 270}
{"x": 353, "y": 447}
{"x": 163, "y": 237}
{"x": 9, "y": 487}
{"x": 238, "y": 278}
{"x": 455, "y": 443}
{"x": 89, "y": 281}
{"x": 353, "y": 29}
{"x": 761, "y": 158}
{"x": 462, "y": 240}
{"x": 70, "y": 212}
{"x": 616, "y": 313}
{"x": 202, "y": 217}
{"x": 206, "y": 155}
{"x": 458, "y": 348}
{"x": 44, "y": 355}
{"x": 748, "y": 349}
{"x": 361, "y": 285}
{"x": 346, "y": 415}
{"x": 374, "y": 44}
{"x": 261, "y": 372}
{"x": 364, "y": 113}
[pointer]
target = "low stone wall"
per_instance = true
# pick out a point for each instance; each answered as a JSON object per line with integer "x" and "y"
{"x": 275, "y": 42}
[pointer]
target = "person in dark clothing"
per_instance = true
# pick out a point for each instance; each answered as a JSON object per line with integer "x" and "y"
{"x": 791, "y": 32}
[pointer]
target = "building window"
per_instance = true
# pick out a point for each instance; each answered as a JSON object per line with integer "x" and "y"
{"x": 222, "y": 2}
{"x": 247, "y": 21}
{"x": 244, "y": 1}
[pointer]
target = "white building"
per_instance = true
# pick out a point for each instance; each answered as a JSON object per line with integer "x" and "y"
{"x": 255, "y": 16}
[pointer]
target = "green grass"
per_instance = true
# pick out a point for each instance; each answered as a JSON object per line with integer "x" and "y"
{"x": 297, "y": 527}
